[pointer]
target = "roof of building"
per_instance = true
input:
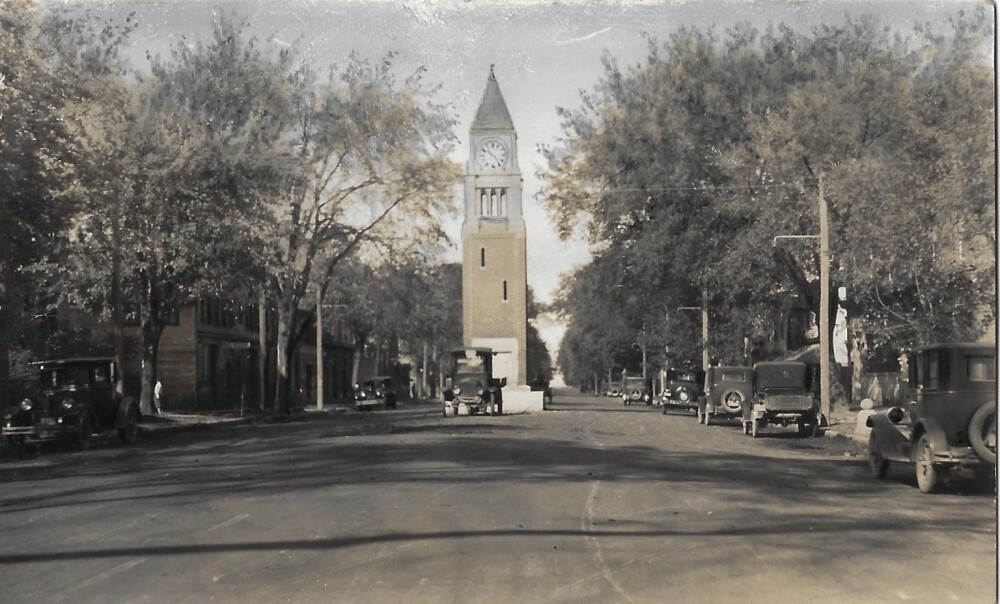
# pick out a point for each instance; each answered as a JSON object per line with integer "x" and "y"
{"x": 492, "y": 113}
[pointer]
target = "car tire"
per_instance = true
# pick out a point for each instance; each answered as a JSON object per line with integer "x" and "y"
{"x": 84, "y": 430}
{"x": 130, "y": 431}
{"x": 732, "y": 401}
{"x": 878, "y": 466}
{"x": 927, "y": 474}
{"x": 983, "y": 422}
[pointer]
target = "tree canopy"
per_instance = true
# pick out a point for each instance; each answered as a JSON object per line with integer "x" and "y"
{"x": 684, "y": 168}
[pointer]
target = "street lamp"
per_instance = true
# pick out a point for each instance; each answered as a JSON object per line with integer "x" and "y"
{"x": 824, "y": 298}
{"x": 704, "y": 327}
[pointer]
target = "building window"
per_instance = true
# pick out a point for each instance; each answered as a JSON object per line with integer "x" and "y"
{"x": 504, "y": 291}
{"x": 493, "y": 202}
{"x": 482, "y": 256}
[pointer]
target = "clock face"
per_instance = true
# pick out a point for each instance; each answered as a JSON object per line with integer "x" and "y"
{"x": 492, "y": 154}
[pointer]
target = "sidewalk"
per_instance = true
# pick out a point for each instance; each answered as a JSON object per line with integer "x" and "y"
{"x": 169, "y": 421}
{"x": 844, "y": 424}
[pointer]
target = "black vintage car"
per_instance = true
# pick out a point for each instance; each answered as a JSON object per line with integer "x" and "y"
{"x": 727, "y": 391}
{"x": 683, "y": 389}
{"x": 950, "y": 422}
{"x": 375, "y": 393}
{"x": 635, "y": 391}
{"x": 785, "y": 393}
{"x": 472, "y": 389}
{"x": 76, "y": 399}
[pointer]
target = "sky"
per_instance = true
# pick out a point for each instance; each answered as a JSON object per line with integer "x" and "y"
{"x": 544, "y": 54}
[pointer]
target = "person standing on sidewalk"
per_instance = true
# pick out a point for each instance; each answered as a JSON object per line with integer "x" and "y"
{"x": 157, "y": 393}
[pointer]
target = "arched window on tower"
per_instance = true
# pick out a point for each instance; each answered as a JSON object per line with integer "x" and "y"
{"x": 492, "y": 202}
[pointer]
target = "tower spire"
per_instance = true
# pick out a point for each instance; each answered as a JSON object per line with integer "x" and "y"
{"x": 492, "y": 113}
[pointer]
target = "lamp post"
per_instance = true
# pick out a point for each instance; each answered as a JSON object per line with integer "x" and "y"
{"x": 824, "y": 298}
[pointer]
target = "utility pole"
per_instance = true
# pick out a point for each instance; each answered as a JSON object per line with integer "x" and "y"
{"x": 824, "y": 296}
{"x": 704, "y": 330}
{"x": 319, "y": 349}
{"x": 824, "y": 302}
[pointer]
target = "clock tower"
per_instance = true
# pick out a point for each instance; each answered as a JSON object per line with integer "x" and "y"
{"x": 494, "y": 245}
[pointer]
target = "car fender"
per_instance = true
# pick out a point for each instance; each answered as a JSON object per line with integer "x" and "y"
{"x": 935, "y": 433}
{"x": 121, "y": 414}
{"x": 890, "y": 442}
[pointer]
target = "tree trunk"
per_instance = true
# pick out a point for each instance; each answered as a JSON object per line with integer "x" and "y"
{"x": 262, "y": 346}
{"x": 423, "y": 374}
{"x": 149, "y": 316}
{"x": 282, "y": 377}
{"x": 359, "y": 349}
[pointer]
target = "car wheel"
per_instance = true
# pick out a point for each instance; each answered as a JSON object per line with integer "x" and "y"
{"x": 130, "y": 431}
{"x": 878, "y": 466}
{"x": 927, "y": 474}
{"x": 84, "y": 430}
{"x": 983, "y": 432}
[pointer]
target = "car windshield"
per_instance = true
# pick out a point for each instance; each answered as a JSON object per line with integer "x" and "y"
{"x": 469, "y": 365}
{"x": 60, "y": 377}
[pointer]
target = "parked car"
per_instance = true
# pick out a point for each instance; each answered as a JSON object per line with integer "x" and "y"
{"x": 785, "y": 393}
{"x": 76, "y": 398}
{"x": 472, "y": 389}
{"x": 951, "y": 421}
{"x": 374, "y": 393}
{"x": 727, "y": 391}
{"x": 634, "y": 391}
{"x": 683, "y": 389}
{"x": 614, "y": 389}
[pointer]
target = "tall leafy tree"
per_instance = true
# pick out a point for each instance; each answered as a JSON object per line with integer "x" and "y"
{"x": 683, "y": 169}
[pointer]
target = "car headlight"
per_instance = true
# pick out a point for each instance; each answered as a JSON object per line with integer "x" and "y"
{"x": 361, "y": 395}
{"x": 646, "y": 397}
{"x": 684, "y": 396}
{"x": 26, "y": 404}
{"x": 67, "y": 403}
{"x": 479, "y": 391}
{"x": 457, "y": 390}
{"x": 9, "y": 412}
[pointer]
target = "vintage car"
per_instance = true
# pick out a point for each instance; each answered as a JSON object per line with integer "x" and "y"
{"x": 634, "y": 391}
{"x": 727, "y": 391}
{"x": 683, "y": 389}
{"x": 951, "y": 421}
{"x": 374, "y": 393}
{"x": 472, "y": 389}
{"x": 76, "y": 399}
{"x": 614, "y": 389}
{"x": 785, "y": 393}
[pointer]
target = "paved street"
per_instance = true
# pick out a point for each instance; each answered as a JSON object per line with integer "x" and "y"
{"x": 589, "y": 502}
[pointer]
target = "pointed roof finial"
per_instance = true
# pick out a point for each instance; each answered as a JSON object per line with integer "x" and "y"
{"x": 492, "y": 113}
